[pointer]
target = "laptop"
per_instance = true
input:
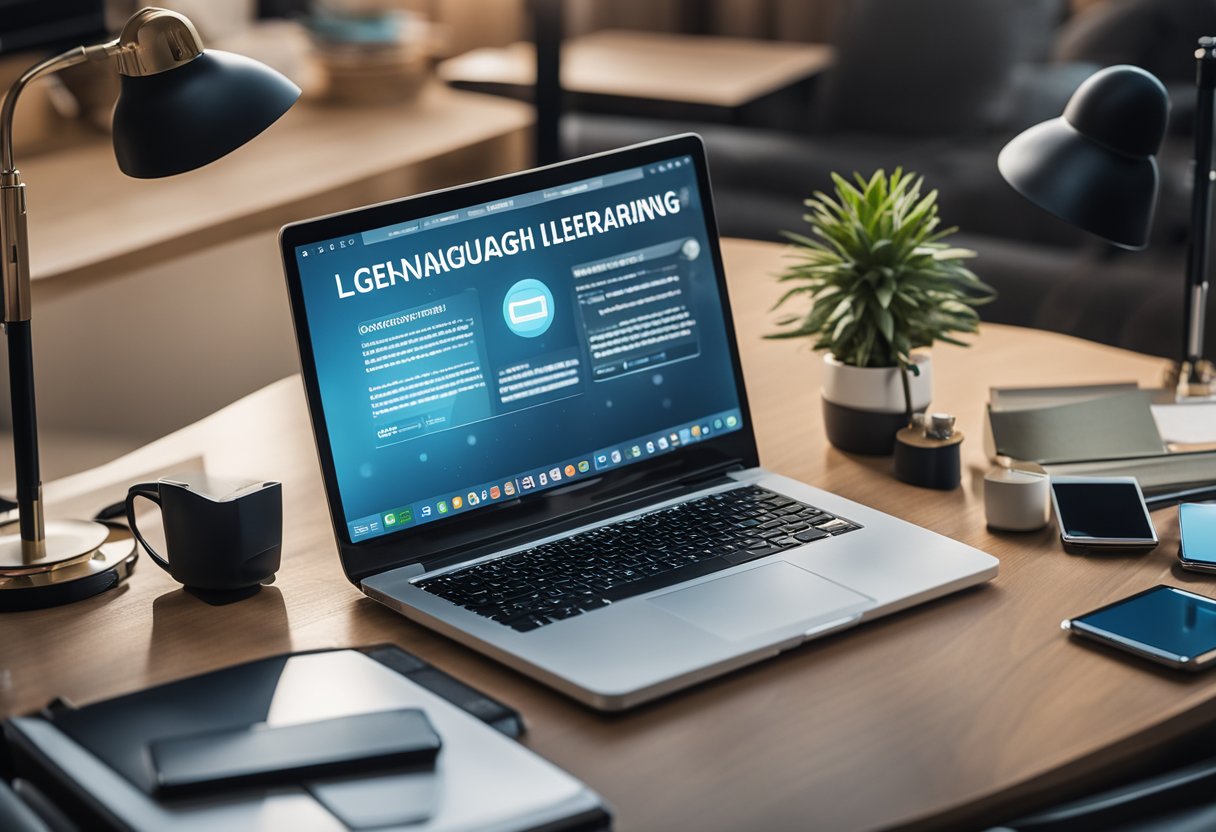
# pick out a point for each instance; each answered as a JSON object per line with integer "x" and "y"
{"x": 535, "y": 438}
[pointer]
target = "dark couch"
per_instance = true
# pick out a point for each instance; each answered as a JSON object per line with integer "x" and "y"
{"x": 938, "y": 87}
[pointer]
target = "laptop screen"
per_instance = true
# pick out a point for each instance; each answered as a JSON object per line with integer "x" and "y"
{"x": 517, "y": 346}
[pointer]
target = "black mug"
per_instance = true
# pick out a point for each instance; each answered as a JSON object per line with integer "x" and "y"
{"x": 220, "y": 537}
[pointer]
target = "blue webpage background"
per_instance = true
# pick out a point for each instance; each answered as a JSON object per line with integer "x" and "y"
{"x": 374, "y": 475}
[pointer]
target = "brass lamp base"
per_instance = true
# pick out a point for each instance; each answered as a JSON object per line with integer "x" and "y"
{"x": 78, "y": 559}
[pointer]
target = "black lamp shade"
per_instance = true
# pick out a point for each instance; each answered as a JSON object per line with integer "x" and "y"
{"x": 189, "y": 116}
{"x": 1095, "y": 166}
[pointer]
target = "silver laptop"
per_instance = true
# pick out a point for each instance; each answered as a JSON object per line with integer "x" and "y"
{"x": 535, "y": 436}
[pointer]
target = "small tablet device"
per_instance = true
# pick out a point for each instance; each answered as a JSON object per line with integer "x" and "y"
{"x": 1102, "y": 513}
{"x": 1197, "y": 529}
{"x": 1164, "y": 624}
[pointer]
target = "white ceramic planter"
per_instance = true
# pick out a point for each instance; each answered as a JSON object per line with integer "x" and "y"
{"x": 864, "y": 407}
{"x": 876, "y": 388}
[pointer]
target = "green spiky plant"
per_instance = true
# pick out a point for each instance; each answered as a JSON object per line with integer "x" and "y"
{"x": 880, "y": 279}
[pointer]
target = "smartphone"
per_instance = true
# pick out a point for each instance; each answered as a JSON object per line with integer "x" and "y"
{"x": 1167, "y": 625}
{"x": 1102, "y": 514}
{"x": 1197, "y": 526}
{"x": 218, "y": 761}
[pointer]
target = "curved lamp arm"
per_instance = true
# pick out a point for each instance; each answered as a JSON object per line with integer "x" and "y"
{"x": 72, "y": 57}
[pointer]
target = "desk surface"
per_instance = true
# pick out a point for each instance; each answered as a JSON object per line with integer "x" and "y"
{"x": 88, "y": 220}
{"x": 963, "y": 706}
{"x": 691, "y": 69}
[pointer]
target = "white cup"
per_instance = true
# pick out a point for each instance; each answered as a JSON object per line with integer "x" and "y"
{"x": 1016, "y": 501}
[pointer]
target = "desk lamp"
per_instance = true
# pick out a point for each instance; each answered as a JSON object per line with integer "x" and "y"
{"x": 179, "y": 108}
{"x": 1096, "y": 168}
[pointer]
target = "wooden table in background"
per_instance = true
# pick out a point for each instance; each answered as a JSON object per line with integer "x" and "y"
{"x": 950, "y": 714}
{"x": 704, "y": 73}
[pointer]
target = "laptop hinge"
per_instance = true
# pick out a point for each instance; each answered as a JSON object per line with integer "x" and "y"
{"x": 707, "y": 475}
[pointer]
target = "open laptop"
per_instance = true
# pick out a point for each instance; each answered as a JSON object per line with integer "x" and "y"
{"x": 535, "y": 438}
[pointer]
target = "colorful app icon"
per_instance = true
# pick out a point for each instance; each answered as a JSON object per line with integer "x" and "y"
{"x": 685, "y": 435}
{"x": 570, "y": 471}
{"x": 635, "y": 451}
{"x": 472, "y": 499}
{"x": 674, "y": 437}
{"x": 527, "y": 483}
{"x": 731, "y": 421}
{"x": 616, "y": 456}
{"x": 663, "y": 443}
{"x": 495, "y": 493}
{"x": 508, "y": 488}
{"x": 649, "y": 447}
{"x": 717, "y": 424}
{"x": 442, "y": 507}
{"x": 696, "y": 430}
{"x": 457, "y": 502}
{"x": 584, "y": 466}
{"x": 705, "y": 430}
{"x": 426, "y": 511}
{"x": 390, "y": 519}
{"x": 542, "y": 478}
{"x": 555, "y": 474}
{"x": 485, "y": 494}
{"x": 601, "y": 460}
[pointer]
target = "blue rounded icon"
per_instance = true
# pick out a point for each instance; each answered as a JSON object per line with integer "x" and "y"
{"x": 528, "y": 308}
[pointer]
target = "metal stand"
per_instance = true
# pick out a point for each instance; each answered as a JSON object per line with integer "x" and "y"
{"x": 1195, "y": 375}
{"x": 43, "y": 564}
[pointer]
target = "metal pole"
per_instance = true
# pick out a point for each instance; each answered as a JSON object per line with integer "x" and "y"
{"x": 1199, "y": 252}
{"x": 547, "y": 33}
{"x": 15, "y": 299}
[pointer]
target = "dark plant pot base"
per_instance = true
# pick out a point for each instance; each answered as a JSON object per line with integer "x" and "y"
{"x": 862, "y": 431}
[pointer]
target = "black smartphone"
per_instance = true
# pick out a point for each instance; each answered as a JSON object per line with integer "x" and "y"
{"x": 1197, "y": 528}
{"x": 265, "y": 756}
{"x": 1164, "y": 624}
{"x": 1102, "y": 514}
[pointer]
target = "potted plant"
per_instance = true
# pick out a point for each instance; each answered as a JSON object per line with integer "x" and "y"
{"x": 884, "y": 286}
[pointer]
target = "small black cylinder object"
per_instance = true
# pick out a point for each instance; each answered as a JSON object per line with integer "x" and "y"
{"x": 928, "y": 462}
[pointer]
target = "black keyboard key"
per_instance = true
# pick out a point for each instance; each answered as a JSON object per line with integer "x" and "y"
{"x": 736, "y": 558}
{"x": 810, "y": 534}
{"x": 665, "y": 579}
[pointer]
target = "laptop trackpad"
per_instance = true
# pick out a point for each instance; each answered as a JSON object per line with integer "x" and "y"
{"x": 749, "y": 603}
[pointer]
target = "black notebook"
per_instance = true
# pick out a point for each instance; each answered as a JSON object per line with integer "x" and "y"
{"x": 100, "y": 761}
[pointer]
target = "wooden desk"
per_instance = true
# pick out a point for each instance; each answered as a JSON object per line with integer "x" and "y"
{"x": 712, "y": 72}
{"x": 951, "y": 713}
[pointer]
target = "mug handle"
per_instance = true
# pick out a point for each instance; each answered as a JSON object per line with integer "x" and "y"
{"x": 150, "y": 491}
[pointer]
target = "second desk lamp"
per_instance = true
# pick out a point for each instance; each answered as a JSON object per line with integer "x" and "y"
{"x": 1095, "y": 167}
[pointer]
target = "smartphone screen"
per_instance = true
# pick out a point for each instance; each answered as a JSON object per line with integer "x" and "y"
{"x": 1197, "y": 523}
{"x": 1101, "y": 510}
{"x": 1163, "y": 623}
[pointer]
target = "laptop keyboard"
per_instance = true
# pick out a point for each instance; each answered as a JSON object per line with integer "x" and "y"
{"x": 591, "y": 570}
